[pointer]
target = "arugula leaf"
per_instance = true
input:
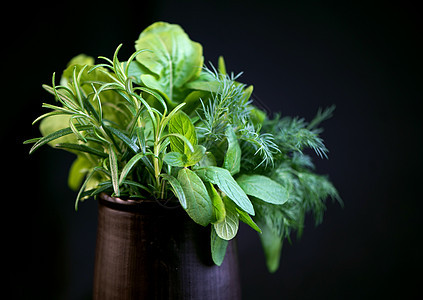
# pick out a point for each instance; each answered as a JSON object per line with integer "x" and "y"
{"x": 232, "y": 160}
{"x": 199, "y": 205}
{"x": 263, "y": 188}
{"x": 227, "y": 184}
{"x": 174, "y": 60}
{"x": 228, "y": 228}
{"x": 218, "y": 247}
{"x": 181, "y": 124}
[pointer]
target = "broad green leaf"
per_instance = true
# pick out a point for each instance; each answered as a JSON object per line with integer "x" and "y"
{"x": 218, "y": 247}
{"x": 207, "y": 160}
{"x": 114, "y": 170}
{"x": 177, "y": 189}
{"x": 80, "y": 167}
{"x": 181, "y": 124}
{"x": 196, "y": 156}
{"x": 232, "y": 160}
{"x": 228, "y": 228}
{"x": 199, "y": 205}
{"x": 263, "y": 188}
{"x": 53, "y": 124}
{"x": 174, "y": 59}
{"x": 219, "y": 211}
{"x": 227, "y": 184}
{"x": 175, "y": 159}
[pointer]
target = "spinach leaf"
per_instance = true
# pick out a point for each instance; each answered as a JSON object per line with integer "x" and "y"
{"x": 174, "y": 60}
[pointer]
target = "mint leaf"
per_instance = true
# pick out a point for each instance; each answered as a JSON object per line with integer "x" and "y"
{"x": 227, "y": 184}
{"x": 175, "y": 159}
{"x": 219, "y": 211}
{"x": 196, "y": 156}
{"x": 199, "y": 205}
{"x": 181, "y": 124}
{"x": 218, "y": 247}
{"x": 264, "y": 188}
{"x": 232, "y": 160}
{"x": 228, "y": 228}
{"x": 177, "y": 188}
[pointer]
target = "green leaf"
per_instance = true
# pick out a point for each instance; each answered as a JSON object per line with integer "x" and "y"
{"x": 175, "y": 159}
{"x": 80, "y": 167}
{"x": 196, "y": 156}
{"x": 114, "y": 170}
{"x": 181, "y": 124}
{"x": 272, "y": 246}
{"x": 218, "y": 247}
{"x": 263, "y": 188}
{"x": 232, "y": 160}
{"x": 56, "y": 135}
{"x": 129, "y": 165}
{"x": 81, "y": 148}
{"x": 221, "y": 65}
{"x": 199, "y": 205}
{"x": 177, "y": 189}
{"x": 174, "y": 60}
{"x": 228, "y": 228}
{"x": 207, "y": 160}
{"x": 227, "y": 184}
{"x": 219, "y": 211}
{"x": 244, "y": 217}
{"x": 124, "y": 138}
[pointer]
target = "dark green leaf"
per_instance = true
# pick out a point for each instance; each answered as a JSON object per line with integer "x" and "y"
{"x": 81, "y": 148}
{"x": 232, "y": 160}
{"x": 199, "y": 205}
{"x": 218, "y": 247}
{"x": 227, "y": 184}
{"x": 124, "y": 138}
{"x": 177, "y": 189}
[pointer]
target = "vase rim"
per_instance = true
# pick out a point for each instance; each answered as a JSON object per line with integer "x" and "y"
{"x": 135, "y": 205}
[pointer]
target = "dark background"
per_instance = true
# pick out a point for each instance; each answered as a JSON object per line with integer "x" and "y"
{"x": 365, "y": 57}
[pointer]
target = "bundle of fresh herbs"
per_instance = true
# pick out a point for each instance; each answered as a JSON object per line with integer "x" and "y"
{"x": 161, "y": 125}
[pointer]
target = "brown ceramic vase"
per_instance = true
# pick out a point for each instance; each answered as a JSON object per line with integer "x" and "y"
{"x": 145, "y": 251}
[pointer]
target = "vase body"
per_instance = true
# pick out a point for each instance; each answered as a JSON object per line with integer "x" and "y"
{"x": 145, "y": 251}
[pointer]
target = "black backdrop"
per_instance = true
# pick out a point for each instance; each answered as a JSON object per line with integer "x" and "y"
{"x": 364, "y": 57}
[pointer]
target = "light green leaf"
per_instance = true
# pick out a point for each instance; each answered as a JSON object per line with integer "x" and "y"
{"x": 196, "y": 156}
{"x": 199, "y": 205}
{"x": 244, "y": 217}
{"x": 174, "y": 60}
{"x": 263, "y": 188}
{"x": 175, "y": 159}
{"x": 80, "y": 167}
{"x": 232, "y": 160}
{"x": 54, "y": 123}
{"x": 181, "y": 124}
{"x": 221, "y": 65}
{"x": 218, "y": 247}
{"x": 272, "y": 246}
{"x": 228, "y": 228}
{"x": 227, "y": 184}
{"x": 207, "y": 160}
{"x": 177, "y": 189}
{"x": 114, "y": 170}
{"x": 219, "y": 211}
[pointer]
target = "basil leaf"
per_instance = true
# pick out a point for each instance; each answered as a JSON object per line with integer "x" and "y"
{"x": 232, "y": 160}
{"x": 174, "y": 59}
{"x": 228, "y": 228}
{"x": 199, "y": 205}
{"x": 218, "y": 247}
{"x": 227, "y": 184}
{"x": 181, "y": 124}
{"x": 263, "y": 188}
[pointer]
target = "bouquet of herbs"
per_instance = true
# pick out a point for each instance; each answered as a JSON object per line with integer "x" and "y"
{"x": 163, "y": 126}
